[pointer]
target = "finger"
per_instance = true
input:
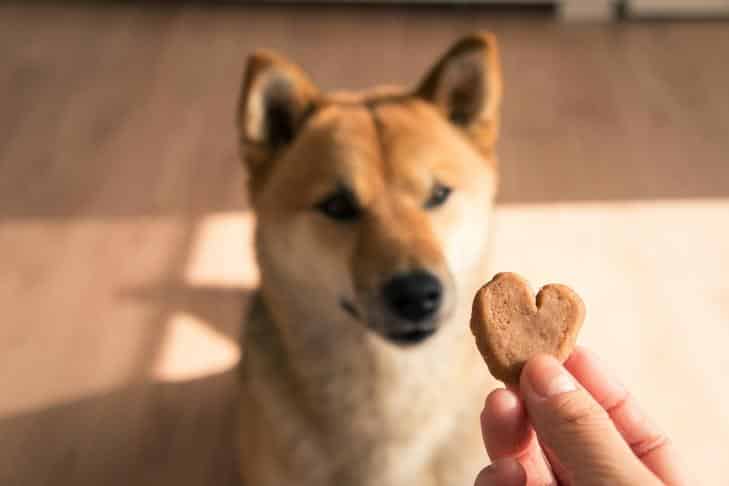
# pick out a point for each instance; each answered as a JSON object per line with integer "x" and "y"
{"x": 645, "y": 439}
{"x": 574, "y": 428}
{"x": 508, "y": 435}
{"x": 504, "y": 472}
{"x": 504, "y": 424}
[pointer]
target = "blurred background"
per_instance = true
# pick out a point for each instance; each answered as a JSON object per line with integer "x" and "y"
{"x": 125, "y": 258}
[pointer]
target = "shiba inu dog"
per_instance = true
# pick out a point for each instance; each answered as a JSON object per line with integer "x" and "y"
{"x": 373, "y": 216}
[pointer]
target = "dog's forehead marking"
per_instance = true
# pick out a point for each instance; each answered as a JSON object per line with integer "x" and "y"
{"x": 347, "y": 134}
{"x": 419, "y": 146}
{"x": 398, "y": 170}
{"x": 378, "y": 124}
{"x": 341, "y": 147}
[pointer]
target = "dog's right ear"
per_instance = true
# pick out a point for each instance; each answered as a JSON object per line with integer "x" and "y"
{"x": 275, "y": 99}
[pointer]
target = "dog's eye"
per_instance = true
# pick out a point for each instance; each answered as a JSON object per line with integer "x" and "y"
{"x": 340, "y": 206}
{"x": 438, "y": 196}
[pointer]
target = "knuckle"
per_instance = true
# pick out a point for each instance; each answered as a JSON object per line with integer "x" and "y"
{"x": 576, "y": 410}
{"x": 650, "y": 444}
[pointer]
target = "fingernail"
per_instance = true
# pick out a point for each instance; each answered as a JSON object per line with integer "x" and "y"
{"x": 547, "y": 377}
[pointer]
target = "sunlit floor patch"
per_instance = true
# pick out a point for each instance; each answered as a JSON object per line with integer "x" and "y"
{"x": 653, "y": 275}
{"x": 221, "y": 257}
{"x": 222, "y": 254}
{"x": 192, "y": 350}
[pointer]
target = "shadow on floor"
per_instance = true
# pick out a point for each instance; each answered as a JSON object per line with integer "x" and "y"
{"x": 180, "y": 434}
{"x": 220, "y": 308}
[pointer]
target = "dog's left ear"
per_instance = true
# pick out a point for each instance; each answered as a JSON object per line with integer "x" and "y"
{"x": 465, "y": 85}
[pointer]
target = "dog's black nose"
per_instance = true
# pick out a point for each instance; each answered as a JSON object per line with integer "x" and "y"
{"x": 413, "y": 296}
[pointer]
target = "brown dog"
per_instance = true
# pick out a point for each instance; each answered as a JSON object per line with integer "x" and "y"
{"x": 373, "y": 215}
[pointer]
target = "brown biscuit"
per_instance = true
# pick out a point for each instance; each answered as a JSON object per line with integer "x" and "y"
{"x": 510, "y": 327}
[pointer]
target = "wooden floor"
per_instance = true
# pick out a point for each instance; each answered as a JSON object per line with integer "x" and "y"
{"x": 125, "y": 260}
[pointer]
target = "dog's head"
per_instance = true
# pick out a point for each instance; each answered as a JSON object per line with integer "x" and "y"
{"x": 373, "y": 206}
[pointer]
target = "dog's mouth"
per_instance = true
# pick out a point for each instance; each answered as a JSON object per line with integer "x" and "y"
{"x": 411, "y": 337}
{"x": 402, "y": 335}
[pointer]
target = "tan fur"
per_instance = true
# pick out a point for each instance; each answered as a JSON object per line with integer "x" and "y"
{"x": 326, "y": 400}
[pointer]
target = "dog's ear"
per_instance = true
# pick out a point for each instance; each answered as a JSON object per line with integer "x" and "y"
{"x": 465, "y": 85}
{"x": 275, "y": 99}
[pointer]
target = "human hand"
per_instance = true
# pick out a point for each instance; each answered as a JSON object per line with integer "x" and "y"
{"x": 572, "y": 425}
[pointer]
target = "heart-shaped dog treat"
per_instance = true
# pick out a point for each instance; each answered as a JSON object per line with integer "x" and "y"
{"x": 510, "y": 326}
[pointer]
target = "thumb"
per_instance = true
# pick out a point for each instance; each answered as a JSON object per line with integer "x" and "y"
{"x": 576, "y": 430}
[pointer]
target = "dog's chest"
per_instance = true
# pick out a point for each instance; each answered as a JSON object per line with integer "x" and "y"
{"x": 357, "y": 451}
{"x": 318, "y": 427}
